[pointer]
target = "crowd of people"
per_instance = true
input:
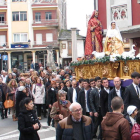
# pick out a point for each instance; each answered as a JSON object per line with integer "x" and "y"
{"x": 77, "y": 109}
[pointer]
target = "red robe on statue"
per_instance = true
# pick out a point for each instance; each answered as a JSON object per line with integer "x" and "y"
{"x": 94, "y": 37}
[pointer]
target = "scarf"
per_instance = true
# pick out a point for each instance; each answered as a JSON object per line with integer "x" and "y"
{"x": 63, "y": 102}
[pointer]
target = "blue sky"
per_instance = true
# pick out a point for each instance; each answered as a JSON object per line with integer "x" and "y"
{"x": 76, "y": 14}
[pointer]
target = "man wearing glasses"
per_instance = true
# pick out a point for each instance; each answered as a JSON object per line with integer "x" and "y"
{"x": 76, "y": 126}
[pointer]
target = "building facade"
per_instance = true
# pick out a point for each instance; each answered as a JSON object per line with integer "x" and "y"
{"x": 126, "y": 13}
{"x": 65, "y": 40}
{"x": 27, "y": 29}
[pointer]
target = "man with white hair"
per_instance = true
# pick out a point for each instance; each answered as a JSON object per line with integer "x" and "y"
{"x": 4, "y": 76}
{"x": 76, "y": 126}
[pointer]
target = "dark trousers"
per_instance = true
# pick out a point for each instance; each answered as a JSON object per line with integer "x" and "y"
{"x": 49, "y": 118}
{"x": 38, "y": 110}
{"x": 3, "y": 112}
{"x": 44, "y": 110}
{"x": 97, "y": 122}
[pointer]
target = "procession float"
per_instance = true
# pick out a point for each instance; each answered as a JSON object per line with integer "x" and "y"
{"x": 108, "y": 59}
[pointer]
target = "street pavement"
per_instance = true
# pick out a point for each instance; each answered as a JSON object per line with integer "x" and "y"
{"x": 9, "y": 130}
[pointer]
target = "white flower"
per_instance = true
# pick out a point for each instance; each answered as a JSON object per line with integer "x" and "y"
{"x": 112, "y": 58}
{"x": 124, "y": 56}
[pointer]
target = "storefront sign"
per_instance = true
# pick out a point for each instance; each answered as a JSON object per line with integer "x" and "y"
{"x": 19, "y": 45}
{"x": 5, "y": 57}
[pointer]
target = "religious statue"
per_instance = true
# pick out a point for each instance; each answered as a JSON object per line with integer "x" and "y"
{"x": 113, "y": 42}
{"x": 94, "y": 35}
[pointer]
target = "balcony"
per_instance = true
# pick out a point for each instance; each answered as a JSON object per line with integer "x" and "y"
{"x": 3, "y": 4}
{"x": 54, "y": 43}
{"x": 3, "y": 24}
{"x": 42, "y": 3}
{"x": 44, "y": 22}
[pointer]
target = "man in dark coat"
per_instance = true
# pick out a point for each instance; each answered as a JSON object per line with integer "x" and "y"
{"x": 83, "y": 98}
{"x": 132, "y": 92}
{"x": 76, "y": 126}
{"x": 72, "y": 92}
{"x": 4, "y": 90}
{"x": 116, "y": 91}
{"x": 95, "y": 106}
{"x": 104, "y": 96}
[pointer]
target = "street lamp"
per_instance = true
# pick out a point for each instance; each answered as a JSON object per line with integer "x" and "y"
{"x": 4, "y": 48}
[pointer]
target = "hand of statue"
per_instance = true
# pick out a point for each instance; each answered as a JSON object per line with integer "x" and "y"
{"x": 100, "y": 32}
{"x": 60, "y": 116}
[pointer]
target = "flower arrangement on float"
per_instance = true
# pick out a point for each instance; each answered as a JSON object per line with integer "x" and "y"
{"x": 101, "y": 58}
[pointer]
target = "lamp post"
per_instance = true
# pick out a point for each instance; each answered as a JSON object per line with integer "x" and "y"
{"x": 4, "y": 48}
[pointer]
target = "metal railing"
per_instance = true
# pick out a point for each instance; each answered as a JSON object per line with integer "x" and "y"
{"x": 44, "y": 2}
{"x": 3, "y": 3}
{"x": 46, "y": 21}
{"x": 3, "y": 23}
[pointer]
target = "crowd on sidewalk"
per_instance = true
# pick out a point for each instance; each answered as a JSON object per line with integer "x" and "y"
{"x": 77, "y": 109}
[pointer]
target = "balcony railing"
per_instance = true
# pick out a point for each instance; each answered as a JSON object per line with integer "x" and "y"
{"x": 44, "y": 43}
{"x": 44, "y": 2}
{"x": 3, "y": 3}
{"x": 51, "y": 22}
{"x": 2, "y": 23}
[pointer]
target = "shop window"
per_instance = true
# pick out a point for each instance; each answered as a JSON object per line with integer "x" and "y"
{"x": 48, "y": 15}
{"x": 37, "y": 17}
{"x": 19, "y": 16}
{"x": 20, "y": 37}
{"x": 49, "y": 37}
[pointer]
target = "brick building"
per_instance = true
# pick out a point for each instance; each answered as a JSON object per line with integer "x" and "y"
{"x": 27, "y": 29}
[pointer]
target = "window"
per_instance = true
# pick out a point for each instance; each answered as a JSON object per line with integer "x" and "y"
{"x": 38, "y": 39}
{"x": 15, "y": 16}
{"x": 2, "y": 40}
{"x": 48, "y": 15}
{"x": 49, "y": 37}
{"x": 1, "y": 18}
{"x": 37, "y": 17}
{"x": 20, "y": 37}
{"x": 19, "y": 16}
{"x": 23, "y": 16}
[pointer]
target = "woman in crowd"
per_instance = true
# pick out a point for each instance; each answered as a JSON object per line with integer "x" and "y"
{"x": 60, "y": 109}
{"x": 9, "y": 77}
{"x": 135, "y": 133}
{"x": 28, "y": 123}
{"x": 38, "y": 92}
{"x": 20, "y": 95}
{"x": 51, "y": 99}
{"x": 12, "y": 87}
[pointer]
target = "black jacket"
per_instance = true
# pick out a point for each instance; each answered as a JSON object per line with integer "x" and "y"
{"x": 70, "y": 94}
{"x": 81, "y": 100}
{"x": 26, "y": 120}
{"x": 94, "y": 100}
{"x": 52, "y": 96}
{"x": 113, "y": 94}
{"x": 131, "y": 98}
{"x": 104, "y": 102}
{"x": 19, "y": 96}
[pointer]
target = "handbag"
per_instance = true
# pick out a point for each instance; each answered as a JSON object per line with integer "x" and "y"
{"x": 8, "y": 103}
